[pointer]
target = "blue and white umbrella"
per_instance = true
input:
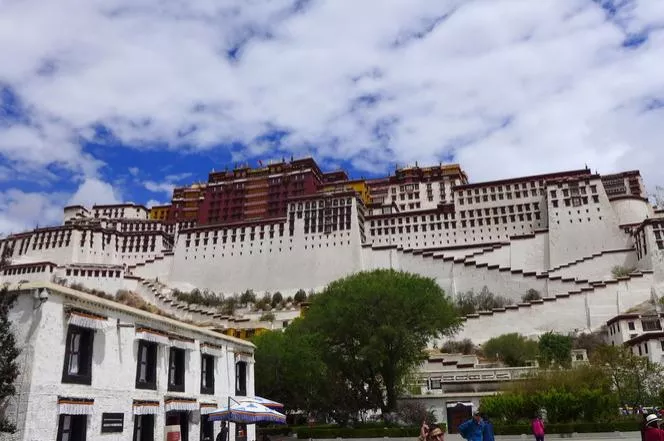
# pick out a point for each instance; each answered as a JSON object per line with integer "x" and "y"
{"x": 247, "y": 412}
{"x": 260, "y": 400}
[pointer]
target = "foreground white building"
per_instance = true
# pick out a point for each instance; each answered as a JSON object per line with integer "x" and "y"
{"x": 642, "y": 332}
{"x": 93, "y": 369}
{"x": 290, "y": 226}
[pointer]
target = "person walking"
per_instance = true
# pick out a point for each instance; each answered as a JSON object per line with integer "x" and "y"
{"x": 538, "y": 428}
{"x": 473, "y": 429}
{"x": 487, "y": 433}
{"x": 223, "y": 433}
{"x": 652, "y": 431}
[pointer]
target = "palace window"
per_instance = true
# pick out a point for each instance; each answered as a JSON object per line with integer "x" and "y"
{"x": 207, "y": 374}
{"x": 146, "y": 366}
{"x": 176, "y": 367}
{"x": 241, "y": 378}
{"x": 143, "y": 428}
{"x": 72, "y": 428}
{"x": 78, "y": 356}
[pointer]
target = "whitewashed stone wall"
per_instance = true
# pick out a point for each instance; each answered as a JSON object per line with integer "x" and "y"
{"x": 41, "y": 334}
{"x": 530, "y": 253}
{"x": 563, "y": 315}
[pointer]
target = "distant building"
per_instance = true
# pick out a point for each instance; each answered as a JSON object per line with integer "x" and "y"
{"x": 93, "y": 369}
{"x": 288, "y": 225}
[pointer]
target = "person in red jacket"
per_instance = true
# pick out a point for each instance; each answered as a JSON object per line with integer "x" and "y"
{"x": 538, "y": 428}
{"x": 652, "y": 431}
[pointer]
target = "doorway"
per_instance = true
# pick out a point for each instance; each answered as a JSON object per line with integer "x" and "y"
{"x": 179, "y": 418}
{"x": 456, "y": 414}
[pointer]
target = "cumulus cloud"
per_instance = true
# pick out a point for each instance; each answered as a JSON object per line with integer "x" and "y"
{"x": 94, "y": 192}
{"x": 19, "y": 210}
{"x": 503, "y": 87}
{"x": 159, "y": 187}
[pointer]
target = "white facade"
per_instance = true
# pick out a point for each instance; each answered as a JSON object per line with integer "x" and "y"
{"x": 81, "y": 358}
{"x": 561, "y": 234}
{"x": 642, "y": 333}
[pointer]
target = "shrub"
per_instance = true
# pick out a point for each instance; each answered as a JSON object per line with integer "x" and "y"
{"x": 196, "y": 297}
{"x": 267, "y": 317}
{"x": 414, "y": 412}
{"x": 485, "y": 300}
{"x": 464, "y": 346}
{"x": 530, "y": 295}
{"x": 621, "y": 271}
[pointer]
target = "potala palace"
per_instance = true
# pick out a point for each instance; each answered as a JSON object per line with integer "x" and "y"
{"x": 288, "y": 225}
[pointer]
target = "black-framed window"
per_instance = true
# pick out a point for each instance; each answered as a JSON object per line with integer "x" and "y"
{"x": 72, "y": 428}
{"x": 143, "y": 428}
{"x": 78, "y": 356}
{"x": 176, "y": 366}
{"x": 241, "y": 378}
{"x": 207, "y": 374}
{"x": 146, "y": 365}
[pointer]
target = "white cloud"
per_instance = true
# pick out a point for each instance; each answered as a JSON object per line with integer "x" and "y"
{"x": 506, "y": 87}
{"x": 159, "y": 187}
{"x": 133, "y": 171}
{"x": 94, "y": 192}
{"x": 19, "y": 210}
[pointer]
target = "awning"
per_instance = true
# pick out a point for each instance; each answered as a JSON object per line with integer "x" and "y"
{"x": 247, "y": 357}
{"x": 212, "y": 349}
{"x": 182, "y": 342}
{"x": 152, "y": 335}
{"x": 180, "y": 404}
{"x": 88, "y": 320}
{"x": 208, "y": 408}
{"x": 146, "y": 407}
{"x": 75, "y": 406}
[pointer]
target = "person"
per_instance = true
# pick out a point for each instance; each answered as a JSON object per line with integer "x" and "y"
{"x": 652, "y": 430}
{"x": 473, "y": 429}
{"x": 644, "y": 424}
{"x": 436, "y": 434}
{"x": 487, "y": 434}
{"x": 223, "y": 433}
{"x": 538, "y": 428}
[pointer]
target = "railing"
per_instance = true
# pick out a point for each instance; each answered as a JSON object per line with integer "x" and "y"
{"x": 475, "y": 375}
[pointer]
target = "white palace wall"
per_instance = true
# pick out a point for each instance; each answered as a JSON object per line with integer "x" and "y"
{"x": 562, "y": 315}
{"x": 530, "y": 253}
{"x": 598, "y": 267}
{"x": 41, "y": 333}
{"x": 287, "y": 263}
{"x": 580, "y": 231}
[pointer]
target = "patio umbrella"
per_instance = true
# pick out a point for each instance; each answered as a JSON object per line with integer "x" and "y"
{"x": 247, "y": 413}
{"x": 260, "y": 400}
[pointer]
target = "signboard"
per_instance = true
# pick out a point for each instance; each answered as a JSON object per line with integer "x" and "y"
{"x": 172, "y": 433}
{"x": 112, "y": 422}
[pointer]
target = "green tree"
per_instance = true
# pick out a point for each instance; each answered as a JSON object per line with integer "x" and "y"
{"x": 248, "y": 297}
{"x": 512, "y": 349}
{"x": 590, "y": 341}
{"x": 485, "y": 300}
{"x": 267, "y": 317}
{"x": 375, "y": 327}
{"x": 290, "y": 369}
{"x": 555, "y": 349}
{"x": 8, "y": 355}
{"x": 300, "y": 296}
{"x": 637, "y": 380}
{"x": 277, "y": 298}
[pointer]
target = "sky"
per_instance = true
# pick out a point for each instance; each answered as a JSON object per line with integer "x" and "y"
{"x": 119, "y": 101}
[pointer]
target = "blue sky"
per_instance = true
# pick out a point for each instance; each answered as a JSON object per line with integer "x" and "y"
{"x": 110, "y": 101}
